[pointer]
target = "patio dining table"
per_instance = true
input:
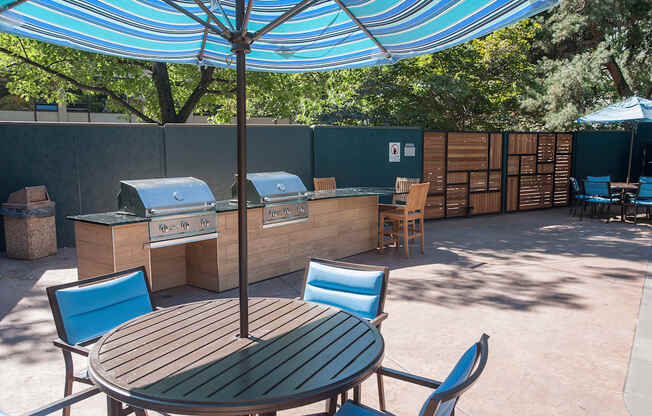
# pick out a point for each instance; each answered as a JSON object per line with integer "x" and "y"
{"x": 623, "y": 187}
{"x": 189, "y": 359}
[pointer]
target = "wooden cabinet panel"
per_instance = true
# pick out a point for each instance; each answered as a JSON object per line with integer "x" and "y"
{"x": 468, "y": 151}
{"x": 485, "y": 202}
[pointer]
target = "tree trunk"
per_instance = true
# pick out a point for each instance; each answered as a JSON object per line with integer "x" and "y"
{"x": 617, "y": 76}
{"x": 200, "y": 90}
{"x": 166, "y": 102}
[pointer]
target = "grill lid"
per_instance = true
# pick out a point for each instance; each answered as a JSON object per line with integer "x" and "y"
{"x": 267, "y": 184}
{"x": 144, "y": 197}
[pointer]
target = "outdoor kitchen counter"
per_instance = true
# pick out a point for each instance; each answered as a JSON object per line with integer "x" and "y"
{"x": 108, "y": 218}
{"x": 340, "y": 224}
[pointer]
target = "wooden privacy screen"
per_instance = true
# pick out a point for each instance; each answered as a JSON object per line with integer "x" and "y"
{"x": 464, "y": 171}
{"x": 538, "y": 168}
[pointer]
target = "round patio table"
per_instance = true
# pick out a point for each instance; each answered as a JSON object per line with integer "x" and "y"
{"x": 188, "y": 359}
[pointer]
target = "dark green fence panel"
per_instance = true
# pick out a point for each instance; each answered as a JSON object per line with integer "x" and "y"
{"x": 360, "y": 156}
{"x": 209, "y": 153}
{"x": 600, "y": 153}
{"x": 80, "y": 164}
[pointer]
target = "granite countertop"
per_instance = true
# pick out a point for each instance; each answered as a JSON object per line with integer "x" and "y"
{"x": 108, "y": 218}
{"x": 122, "y": 218}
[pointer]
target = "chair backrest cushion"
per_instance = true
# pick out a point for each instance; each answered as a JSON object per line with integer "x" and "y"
{"x": 596, "y": 188}
{"x": 645, "y": 179}
{"x": 645, "y": 190}
{"x": 599, "y": 178}
{"x": 458, "y": 375}
{"x": 90, "y": 311}
{"x": 357, "y": 291}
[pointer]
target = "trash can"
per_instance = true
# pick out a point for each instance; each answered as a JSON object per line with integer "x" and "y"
{"x": 30, "y": 231}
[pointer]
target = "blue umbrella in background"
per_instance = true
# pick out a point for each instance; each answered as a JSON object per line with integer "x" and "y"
{"x": 273, "y": 35}
{"x": 634, "y": 109}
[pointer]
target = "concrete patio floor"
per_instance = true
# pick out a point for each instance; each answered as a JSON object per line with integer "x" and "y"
{"x": 559, "y": 297}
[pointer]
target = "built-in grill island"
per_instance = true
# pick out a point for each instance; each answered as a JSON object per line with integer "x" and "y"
{"x": 176, "y": 229}
{"x": 283, "y": 195}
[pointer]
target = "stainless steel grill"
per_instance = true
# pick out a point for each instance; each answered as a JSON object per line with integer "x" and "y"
{"x": 282, "y": 194}
{"x": 181, "y": 210}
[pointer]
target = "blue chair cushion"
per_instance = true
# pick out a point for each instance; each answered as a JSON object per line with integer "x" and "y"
{"x": 351, "y": 409}
{"x": 645, "y": 190}
{"x": 599, "y": 178}
{"x": 643, "y": 202}
{"x": 458, "y": 375}
{"x": 355, "y": 291}
{"x": 645, "y": 179}
{"x": 601, "y": 200}
{"x": 580, "y": 196}
{"x": 90, "y": 311}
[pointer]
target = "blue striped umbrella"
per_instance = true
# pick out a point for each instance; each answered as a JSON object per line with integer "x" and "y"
{"x": 275, "y": 35}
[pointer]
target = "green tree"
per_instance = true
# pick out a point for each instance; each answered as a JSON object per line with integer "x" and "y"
{"x": 472, "y": 86}
{"x": 588, "y": 54}
{"x": 154, "y": 92}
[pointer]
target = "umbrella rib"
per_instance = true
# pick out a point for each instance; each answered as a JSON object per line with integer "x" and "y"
{"x": 224, "y": 34}
{"x": 364, "y": 29}
{"x": 228, "y": 21}
{"x": 210, "y": 14}
{"x": 282, "y": 19}
{"x": 245, "y": 22}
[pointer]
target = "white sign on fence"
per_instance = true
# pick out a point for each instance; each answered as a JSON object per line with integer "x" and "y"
{"x": 394, "y": 152}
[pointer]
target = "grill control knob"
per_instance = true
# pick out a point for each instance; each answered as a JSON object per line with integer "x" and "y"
{"x": 204, "y": 223}
{"x": 163, "y": 228}
{"x": 184, "y": 226}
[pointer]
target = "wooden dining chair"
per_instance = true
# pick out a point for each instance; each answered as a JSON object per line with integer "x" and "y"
{"x": 446, "y": 394}
{"x": 87, "y": 309}
{"x": 404, "y": 219}
{"x": 324, "y": 184}
{"x": 401, "y": 187}
{"x": 356, "y": 288}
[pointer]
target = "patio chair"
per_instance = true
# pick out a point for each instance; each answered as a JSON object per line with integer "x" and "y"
{"x": 645, "y": 179}
{"x": 62, "y": 403}
{"x": 600, "y": 196}
{"x": 356, "y": 288}
{"x": 86, "y": 309}
{"x": 404, "y": 219}
{"x": 577, "y": 196}
{"x": 401, "y": 187}
{"x": 443, "y": 400}
{"x": 643, "y": 199}
{"x": 324, "y": 184}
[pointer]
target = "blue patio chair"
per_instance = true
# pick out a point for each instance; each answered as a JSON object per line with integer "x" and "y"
{"x": 645, "y": 179}
{"x": 643, "y": 199}
{"x": 577, "y": 196}
{"x": 600, "y": 196}
{"x": 443, "y": 400}
{"x": 599, "y": 178}
{"x": 356, "y": 288}
{"x": 62, "y": 403}
{"x": 86, "y": 309}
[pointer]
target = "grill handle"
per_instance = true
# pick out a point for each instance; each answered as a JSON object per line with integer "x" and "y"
{"x": 175, "y": 210}
{"x": 272, "y": 199}
{"x": 183, "y": 240}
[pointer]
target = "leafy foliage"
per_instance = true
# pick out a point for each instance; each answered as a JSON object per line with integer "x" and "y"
{"x": 541, "y": 73}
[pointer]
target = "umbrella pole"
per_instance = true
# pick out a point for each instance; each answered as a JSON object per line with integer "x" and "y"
{"x": 631, "y": 148}
{"x": 241, "y": 89}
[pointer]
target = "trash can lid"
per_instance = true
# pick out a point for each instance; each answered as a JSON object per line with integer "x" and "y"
{"x": 30, "y": 197}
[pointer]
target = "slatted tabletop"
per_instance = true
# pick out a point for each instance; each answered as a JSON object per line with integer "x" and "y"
{"x": 623, "y": 185}
{"x": 188, "y": 359}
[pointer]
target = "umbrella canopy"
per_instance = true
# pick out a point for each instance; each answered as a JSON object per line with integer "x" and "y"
{"x": 287, "y": 35}
{"x": 634, "y": 109}
{"x": 275, "y": 35}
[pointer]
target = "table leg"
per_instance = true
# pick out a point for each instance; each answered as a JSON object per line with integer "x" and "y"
{"x": 331, "y": 406}
{"x": 113, "y": 407}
